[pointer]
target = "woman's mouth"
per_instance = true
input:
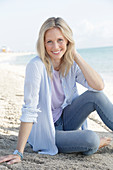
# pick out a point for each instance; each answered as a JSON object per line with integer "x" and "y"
{"x": 56, "y": 52}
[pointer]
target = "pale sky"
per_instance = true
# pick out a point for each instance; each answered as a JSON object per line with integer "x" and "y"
{"x": 90, "y": 20}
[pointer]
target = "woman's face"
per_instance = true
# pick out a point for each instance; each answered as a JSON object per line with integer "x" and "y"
{"x": 55, "y": 44}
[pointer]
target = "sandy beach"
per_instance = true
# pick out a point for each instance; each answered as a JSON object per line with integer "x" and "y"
{"x": 11, "y": 100}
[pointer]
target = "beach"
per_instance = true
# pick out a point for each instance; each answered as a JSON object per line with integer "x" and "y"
{"x": 11, "y": 101}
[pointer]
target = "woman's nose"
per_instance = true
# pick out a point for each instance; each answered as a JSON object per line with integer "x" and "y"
{"x": 55, "y": 46}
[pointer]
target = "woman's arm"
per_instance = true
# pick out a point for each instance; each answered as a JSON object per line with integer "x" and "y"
{"x": 92, "y": 77}
{"x": 29, "y": 110}
{"x": 25, "y": 129}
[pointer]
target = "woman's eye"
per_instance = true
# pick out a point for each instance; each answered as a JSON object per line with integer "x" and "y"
{"x": 49, "y": 41}
{"x": 60, "y": 40}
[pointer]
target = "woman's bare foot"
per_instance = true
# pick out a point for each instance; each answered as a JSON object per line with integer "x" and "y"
{"x": 104, "y": 142}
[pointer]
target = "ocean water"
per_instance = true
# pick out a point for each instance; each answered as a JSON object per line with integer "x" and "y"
{"x": 101, "y": 59}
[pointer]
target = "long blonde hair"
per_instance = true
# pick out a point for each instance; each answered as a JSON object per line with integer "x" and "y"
{"x": 67, "y": 60}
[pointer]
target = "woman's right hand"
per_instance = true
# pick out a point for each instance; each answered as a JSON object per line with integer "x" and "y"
{"x": 10, "y": 159}
{"x": 25, "y": 129}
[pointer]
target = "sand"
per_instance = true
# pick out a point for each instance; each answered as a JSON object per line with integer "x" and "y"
{"x": 11, "y": 100}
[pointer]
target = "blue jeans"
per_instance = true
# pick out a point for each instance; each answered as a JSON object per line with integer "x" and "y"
{"x": 68, "y": 138}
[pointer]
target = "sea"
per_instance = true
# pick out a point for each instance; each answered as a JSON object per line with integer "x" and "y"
{"x": 101, "y": 59}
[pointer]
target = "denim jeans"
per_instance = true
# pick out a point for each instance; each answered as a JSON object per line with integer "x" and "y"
{"x": 68, "y": 138}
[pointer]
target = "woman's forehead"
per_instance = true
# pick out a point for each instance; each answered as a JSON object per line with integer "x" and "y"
{"x": 54, "y": 32}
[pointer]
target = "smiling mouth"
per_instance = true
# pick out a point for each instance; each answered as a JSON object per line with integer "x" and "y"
{"x": 56, "y": 52}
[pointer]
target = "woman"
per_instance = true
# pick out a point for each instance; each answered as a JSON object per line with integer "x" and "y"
{"x": 53, "y": 110}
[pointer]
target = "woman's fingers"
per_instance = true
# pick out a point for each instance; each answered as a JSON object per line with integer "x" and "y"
{"x": 5, "y": 158}
{"x": 10, "y": 159}
{"x": 14, "y": 160}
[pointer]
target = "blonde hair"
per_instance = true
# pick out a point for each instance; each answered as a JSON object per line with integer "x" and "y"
{"x": 67, "y": 60}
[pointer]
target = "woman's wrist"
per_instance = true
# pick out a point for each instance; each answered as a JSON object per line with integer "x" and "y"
{"x": 16, "y": 152}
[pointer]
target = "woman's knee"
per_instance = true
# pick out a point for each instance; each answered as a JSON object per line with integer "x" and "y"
{"x": 92, "y": 140}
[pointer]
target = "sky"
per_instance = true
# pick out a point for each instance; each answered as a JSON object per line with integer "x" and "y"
{"x": 90, "y": 20}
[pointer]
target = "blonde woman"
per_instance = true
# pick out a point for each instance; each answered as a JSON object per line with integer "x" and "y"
{"x": 53, "y": 110}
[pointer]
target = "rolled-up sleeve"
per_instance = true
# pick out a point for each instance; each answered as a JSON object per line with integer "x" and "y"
{"x": 31, "y": 93}
{"x": 81, "y": 79}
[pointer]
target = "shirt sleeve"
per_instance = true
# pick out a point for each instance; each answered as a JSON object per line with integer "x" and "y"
{"x": 81, "y": 79}
{"x": 31, "y": 93}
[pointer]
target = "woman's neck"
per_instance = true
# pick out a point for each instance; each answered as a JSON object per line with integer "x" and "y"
{"x": 56, "y": 65}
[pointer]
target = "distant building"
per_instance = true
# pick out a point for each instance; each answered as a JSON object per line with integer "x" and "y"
{"x": 5, "y": 49}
